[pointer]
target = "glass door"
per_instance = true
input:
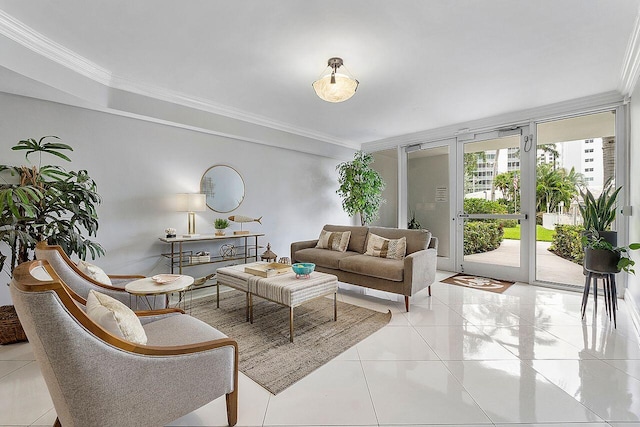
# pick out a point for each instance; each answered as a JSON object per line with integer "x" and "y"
{"x": 492, "y": 211}
{"x": 573, "y": 154}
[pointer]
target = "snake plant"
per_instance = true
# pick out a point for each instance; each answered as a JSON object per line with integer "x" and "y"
{"x": 599, "y": 213}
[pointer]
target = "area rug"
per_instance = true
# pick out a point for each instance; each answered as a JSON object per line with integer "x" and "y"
{"x": 477, "y": 282}
{"x": 265, "y": 353}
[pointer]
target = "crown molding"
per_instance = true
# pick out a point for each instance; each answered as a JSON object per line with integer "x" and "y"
{"x": 207, "y": 105}
{"x": 547, "y": 112}
{"x": 47, "y": 48}
{"x": 36, "y": 42}
{"x": 631, "y": 62}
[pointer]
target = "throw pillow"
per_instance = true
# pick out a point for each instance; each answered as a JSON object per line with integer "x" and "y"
{"x": 115, "y": 317}
{"x": 386, "y": 248}
{"x": 334, "y": 240}
{"x": 95, "y": 272}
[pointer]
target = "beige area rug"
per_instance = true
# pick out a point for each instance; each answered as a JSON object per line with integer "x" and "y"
{"x": 477, "y": 282}
{"x": 265, "y": 353}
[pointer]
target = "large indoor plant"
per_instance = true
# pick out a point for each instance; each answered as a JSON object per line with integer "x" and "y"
{"x": 360, "y": 187}
{"x": 46, "y": 202}
{"x": 598, "y": 213}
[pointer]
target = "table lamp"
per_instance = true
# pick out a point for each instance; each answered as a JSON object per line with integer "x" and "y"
{"x": 192, "y": 203}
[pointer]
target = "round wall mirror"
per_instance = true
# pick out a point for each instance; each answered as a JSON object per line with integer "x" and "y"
{"x": 224, "y": 188}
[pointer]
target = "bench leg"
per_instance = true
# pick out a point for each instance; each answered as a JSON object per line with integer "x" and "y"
{"x": 250, "y": 296}
{"x": 290, "y": 324}
{"x": 335, "y": 306}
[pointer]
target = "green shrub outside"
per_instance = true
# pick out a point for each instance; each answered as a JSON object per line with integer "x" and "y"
{"x": 567, "y": 243}
{"x": 481, "y": 236}
{"x": 482, "y": 206}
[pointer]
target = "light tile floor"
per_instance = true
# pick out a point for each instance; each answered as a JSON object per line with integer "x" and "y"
{"x": 461, "y": 357}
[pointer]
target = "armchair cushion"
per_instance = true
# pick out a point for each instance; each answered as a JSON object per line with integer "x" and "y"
{"x": 115, "y": 317}
{"x": 95, "y": 272}
{"x": 170, "y": 331}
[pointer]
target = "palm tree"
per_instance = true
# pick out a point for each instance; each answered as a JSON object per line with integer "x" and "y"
{"x": 554, "y": 186}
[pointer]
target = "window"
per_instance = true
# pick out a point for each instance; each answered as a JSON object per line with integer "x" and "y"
{"x": 589, "y": 150}
{"x": 588, "y": 160}
{"x": 588, "y": 169}
{"x": 589, "y": 179}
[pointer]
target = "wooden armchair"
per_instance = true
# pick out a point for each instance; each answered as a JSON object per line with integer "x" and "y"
{"x": 98, "y": 379}
{"x": 81, "y": 284}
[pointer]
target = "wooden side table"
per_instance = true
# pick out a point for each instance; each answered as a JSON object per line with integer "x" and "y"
{"x": 144, "y": 288}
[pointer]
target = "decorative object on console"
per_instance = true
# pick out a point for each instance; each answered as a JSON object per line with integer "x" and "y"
{"x": 333, "y": 86}
{"x": 191, "y": 203}
{"x": 170, "y": 232}
{"x": 284, "y": 260}
{"x": 223, "y": 187}
{"x": 200, "y": 256}
{"x": 241, "y": 219}
{"x": 220, "y": 224}
{"x": 268, "y": 255}
{"x": 228, "y": 251}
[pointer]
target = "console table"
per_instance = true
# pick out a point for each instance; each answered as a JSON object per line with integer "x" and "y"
{"x": 180, "y": 259}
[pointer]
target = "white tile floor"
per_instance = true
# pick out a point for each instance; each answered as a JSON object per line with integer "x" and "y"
{"x": 462, "y": 357}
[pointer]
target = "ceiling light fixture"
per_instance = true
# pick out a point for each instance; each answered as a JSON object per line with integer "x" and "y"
{"x": 333, "y": 86}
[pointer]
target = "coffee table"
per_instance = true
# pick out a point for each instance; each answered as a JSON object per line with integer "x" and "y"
{"x": 283, "y": 289}
{"x": 144, "y": 288}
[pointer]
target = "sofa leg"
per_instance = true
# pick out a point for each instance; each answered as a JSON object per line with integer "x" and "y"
{"x": 406, "y": 303}
{"x": 429, "y": 290}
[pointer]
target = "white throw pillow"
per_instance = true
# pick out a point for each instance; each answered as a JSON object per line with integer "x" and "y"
{"x": 115, "y": 317}
{"x": 95, "y": 272}
{"x": 386, "y": 248}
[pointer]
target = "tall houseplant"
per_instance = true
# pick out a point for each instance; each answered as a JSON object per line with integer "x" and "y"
{"x": 360, "y": 187}
{"x": 599, "y": 213}
{"x": 45, "y": 202}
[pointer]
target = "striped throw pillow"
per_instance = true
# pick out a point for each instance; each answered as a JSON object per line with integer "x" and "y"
{"x": 334, "y": 240}
{"x": 386, "y": 248}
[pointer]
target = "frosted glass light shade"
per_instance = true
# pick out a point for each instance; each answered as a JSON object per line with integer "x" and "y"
{"x": 343, "y": 88}
{"x": 192, "y": 202}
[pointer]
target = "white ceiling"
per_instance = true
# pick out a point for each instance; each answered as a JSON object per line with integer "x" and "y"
{"x": 421, "y": 64}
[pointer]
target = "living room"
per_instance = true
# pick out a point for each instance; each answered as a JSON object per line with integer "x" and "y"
{"x": 146, "y": 118}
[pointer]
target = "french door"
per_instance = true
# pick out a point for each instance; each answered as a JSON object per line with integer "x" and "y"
{"x": 494, "y": 228}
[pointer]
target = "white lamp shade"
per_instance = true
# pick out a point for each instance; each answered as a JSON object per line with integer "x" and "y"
{"x": 192, "y": 202}
{"x": 341, "y": 90}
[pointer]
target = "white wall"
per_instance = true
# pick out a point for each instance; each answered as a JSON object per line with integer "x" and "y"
{"x": 387, "y": 167}
{"x": 632, "y": 293}
{"x": 139, "y": 166}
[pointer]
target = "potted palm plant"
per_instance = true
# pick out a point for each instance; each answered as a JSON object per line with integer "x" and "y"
{"x": 45, "y": 202}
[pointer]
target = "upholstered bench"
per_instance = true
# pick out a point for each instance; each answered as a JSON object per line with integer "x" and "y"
{"x": 283, "y": 289}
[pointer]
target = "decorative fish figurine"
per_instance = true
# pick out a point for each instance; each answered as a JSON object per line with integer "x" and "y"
{"x": 242, "y": 218}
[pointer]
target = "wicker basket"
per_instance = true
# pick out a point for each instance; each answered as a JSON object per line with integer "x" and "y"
{"x": 10, "y": 328}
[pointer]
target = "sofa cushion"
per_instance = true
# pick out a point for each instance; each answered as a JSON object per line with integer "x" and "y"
{"x": 323, "y": 257}
{"x": 334, "y": 240}
{"x": 386, "y": 248}
{"x": 417, "y": 240}
{"x": 382, "y": 268}
{"x": 358, "y": 236}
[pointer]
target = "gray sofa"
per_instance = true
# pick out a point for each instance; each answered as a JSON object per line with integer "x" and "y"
{"x": 405, "y": 277}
